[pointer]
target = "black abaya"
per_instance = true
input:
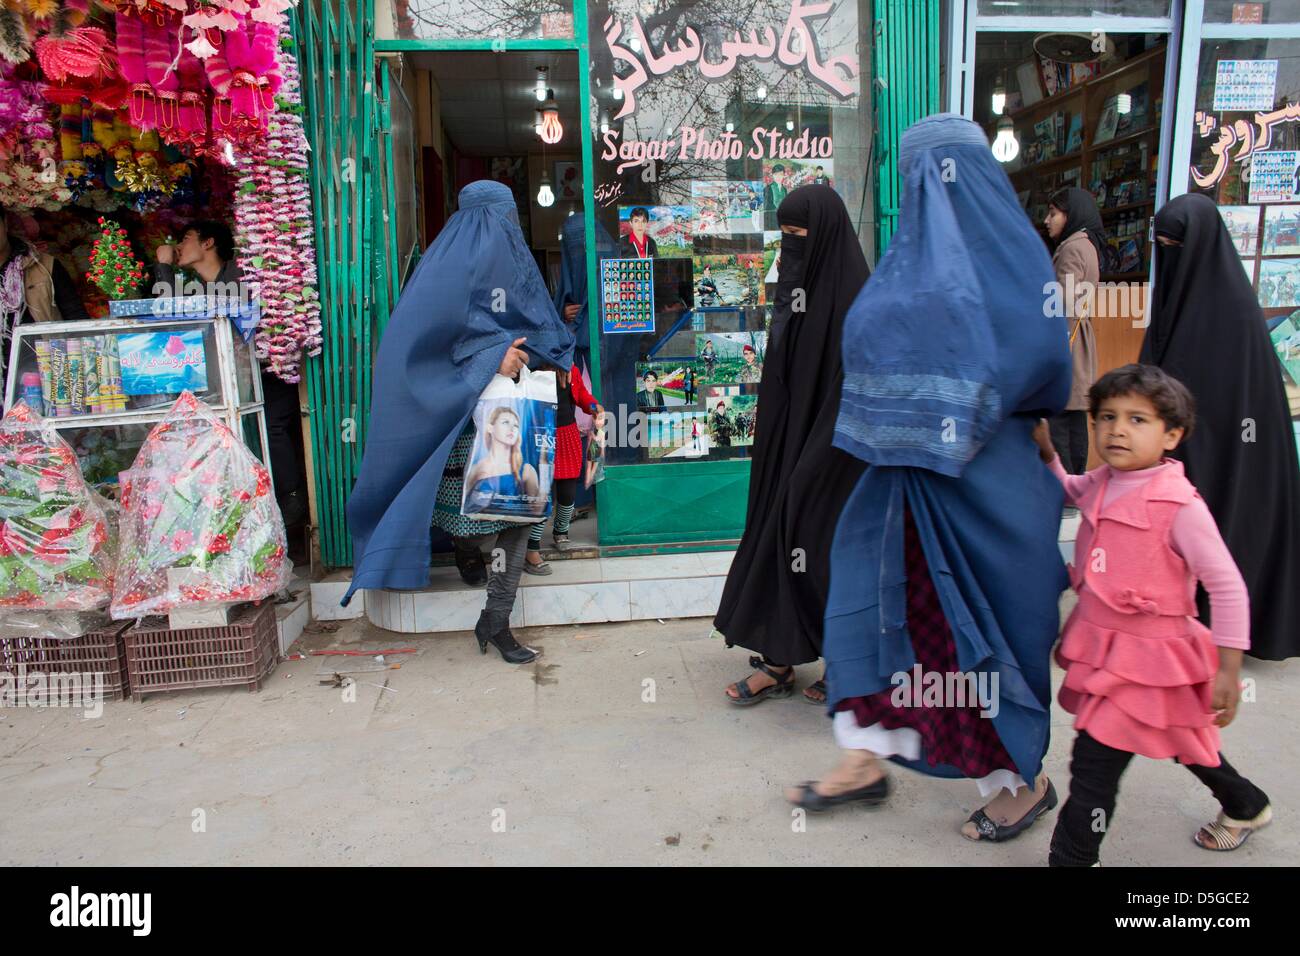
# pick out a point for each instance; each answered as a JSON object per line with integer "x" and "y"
{"x": 1207, "y": 331}
{"x": 775, "y": 595}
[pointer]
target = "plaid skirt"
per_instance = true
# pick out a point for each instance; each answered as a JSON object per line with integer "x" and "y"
{"x": 957, "y": 736}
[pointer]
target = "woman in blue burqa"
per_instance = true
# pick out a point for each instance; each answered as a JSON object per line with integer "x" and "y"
{"x": 572, "y": 303}
{"x": 945, "y": 570}
{"x": 476, "y": 307}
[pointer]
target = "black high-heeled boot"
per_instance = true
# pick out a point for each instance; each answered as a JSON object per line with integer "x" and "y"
{"x": 494, "y": 629}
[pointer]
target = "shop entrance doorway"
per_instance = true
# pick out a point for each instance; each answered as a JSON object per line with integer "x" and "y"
{"x": 511, "y": 117}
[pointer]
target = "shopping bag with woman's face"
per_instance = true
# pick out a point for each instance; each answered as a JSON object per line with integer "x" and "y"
{"x": 508, "y": 477}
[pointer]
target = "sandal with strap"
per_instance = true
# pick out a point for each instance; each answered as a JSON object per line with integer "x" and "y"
{"x": 1224, "y": 839}
{"x": 991, "y": 832}
{"x": 783, "y": 687}
{"x": 816, "y": 687}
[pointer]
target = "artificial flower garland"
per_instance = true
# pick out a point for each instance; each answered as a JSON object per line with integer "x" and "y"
{"x": 275, "y": 233}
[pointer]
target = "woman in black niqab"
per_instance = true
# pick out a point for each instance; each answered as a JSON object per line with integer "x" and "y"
{"x": 775, "y": 596}
{"x": 1207, "y": 330}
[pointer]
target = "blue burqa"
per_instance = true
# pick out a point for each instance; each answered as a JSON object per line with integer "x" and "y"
{"x": 572, "y": 289}
{"x": 950, "y": 356}
{"x": 474, "y": 292}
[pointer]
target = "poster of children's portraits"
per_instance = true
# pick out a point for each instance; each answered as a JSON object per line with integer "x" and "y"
{"x": 674, "y": 434}
{"x": 670, "y": 383}
{"x": 727, "y": 207}
{"x": 1281, "y": 230}
{"x": 568, "y": 182}
{"x": 669, "y": 227}
{"x": 729, "y": 279}
{"x": 1279, "y": 283}
{"x": 733, "y": 414}
{"x": 1243, "y": 226}
{"x": 730, "y": 357}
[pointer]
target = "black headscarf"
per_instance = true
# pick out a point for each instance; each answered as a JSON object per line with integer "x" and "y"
{"x": 1080, "y": 208}
{"x": 775, "y": 596}
{"x": 1207, "y": 330}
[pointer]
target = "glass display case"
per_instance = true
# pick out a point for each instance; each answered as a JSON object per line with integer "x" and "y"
{"x": 105, "y": 383}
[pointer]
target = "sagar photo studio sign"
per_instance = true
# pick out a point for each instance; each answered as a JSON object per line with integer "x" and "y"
{"x": 722, "y": 47}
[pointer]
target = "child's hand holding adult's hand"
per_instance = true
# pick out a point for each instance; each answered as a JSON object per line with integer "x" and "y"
{"x": 515, "y": 359}
{"x": 1043, "y": 437}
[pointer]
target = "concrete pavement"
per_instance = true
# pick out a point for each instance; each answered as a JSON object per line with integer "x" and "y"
{"x": 571, "y": 760}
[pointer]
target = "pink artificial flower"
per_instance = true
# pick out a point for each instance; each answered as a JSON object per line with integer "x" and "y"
{"x": 182, "y": 541}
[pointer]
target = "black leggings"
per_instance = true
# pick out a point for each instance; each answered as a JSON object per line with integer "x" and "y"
{"x": 1095, "y": 770}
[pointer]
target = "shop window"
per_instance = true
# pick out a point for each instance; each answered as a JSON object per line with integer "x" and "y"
{"x": 1267, "y": 11}
{"x": 504, "y": 19}
{"x": 1246, "y": 157}
{"x": 1073, "y": 8}
{"x": 707, "y": 115}
{"x": 1093, "y": 124}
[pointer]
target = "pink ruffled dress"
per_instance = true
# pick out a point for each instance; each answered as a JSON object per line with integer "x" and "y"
{"x": 1139, "y": 667}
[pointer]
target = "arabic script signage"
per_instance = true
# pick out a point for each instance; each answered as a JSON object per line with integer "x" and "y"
{"x": 795, "y": 46}
{"x": 1252, "y": 137}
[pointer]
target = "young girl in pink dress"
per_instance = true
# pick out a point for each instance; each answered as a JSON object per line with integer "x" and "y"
{"x": 1142, "y": 675}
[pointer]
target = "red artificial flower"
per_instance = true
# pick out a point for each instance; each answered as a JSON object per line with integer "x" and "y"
{"x": 219, "y": 545}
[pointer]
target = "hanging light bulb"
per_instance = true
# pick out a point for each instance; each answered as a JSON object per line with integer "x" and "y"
{"x": 1124, "y": 104}
{"x": 761, "y": 92}
{"x": 537, "y": 124}
{"x": 731, "y": 127}
{"x": 618, "y": 92}
{"x": 545, "y": 196}
{"x": 604, "y": 122}
{"x": 999, "y": 96}
{"x": 789, "y": 123}
{"x": 572, "y": 209}
{"x": 1005, "y": 146}
{"x": 539, "y": 90}
{"x": 551, "y": 130}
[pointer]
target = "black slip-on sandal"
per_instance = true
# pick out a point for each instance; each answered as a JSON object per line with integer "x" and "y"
{"x": 991, "y": 832}
{"x": 872, "y": 795}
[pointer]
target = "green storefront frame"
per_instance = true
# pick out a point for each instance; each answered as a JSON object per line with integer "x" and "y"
{"x": 647, "y": 508}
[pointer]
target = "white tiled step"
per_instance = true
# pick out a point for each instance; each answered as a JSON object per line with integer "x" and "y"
{"x": 580, "y": 591}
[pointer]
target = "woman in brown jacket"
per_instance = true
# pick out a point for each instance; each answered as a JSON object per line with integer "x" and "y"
{"x": 1074, "y": 225}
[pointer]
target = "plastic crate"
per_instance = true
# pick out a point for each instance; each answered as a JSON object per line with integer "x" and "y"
{"x": 99, "y": 652}
{"x": 239, "y": 655}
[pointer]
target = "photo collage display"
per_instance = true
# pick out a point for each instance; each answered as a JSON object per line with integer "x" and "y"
{"x": 693, "y": 366}
{"x": 1267, "y": 238}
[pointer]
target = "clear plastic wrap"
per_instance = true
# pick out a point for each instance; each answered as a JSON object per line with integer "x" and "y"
{"x": 57, "y": 548}
{"x": 200, "y": 525}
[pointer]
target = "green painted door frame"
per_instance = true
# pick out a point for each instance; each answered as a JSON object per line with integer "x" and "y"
{"x": 905, "y": 74}
{"x": 342, "y": 116}
{"x": 642, "y": 507}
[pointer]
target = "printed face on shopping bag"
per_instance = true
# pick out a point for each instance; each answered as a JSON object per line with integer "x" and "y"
{"x": 504, "y": 427}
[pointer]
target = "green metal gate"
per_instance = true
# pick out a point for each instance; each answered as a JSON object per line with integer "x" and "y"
{"x": 905, "y": 70}
{"x": 346, "y": 120}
